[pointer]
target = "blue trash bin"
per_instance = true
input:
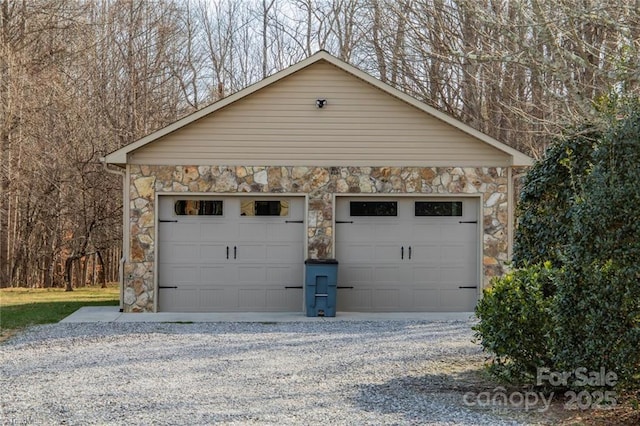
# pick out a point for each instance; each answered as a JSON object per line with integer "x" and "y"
{"x": 321, "y": 285}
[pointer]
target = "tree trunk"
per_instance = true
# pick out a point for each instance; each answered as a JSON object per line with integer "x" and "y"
{"x": 68, "y": 273}
{"x": 99, "y": 266}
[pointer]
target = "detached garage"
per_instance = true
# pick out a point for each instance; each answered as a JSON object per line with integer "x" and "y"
{"x": 318, "y": 161}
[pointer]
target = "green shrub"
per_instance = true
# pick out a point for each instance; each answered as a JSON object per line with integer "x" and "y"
{"x": 548, "y": 194}
{"x": 515, "y": 323}
{"x": 597, "y": 308}
{"x": 597, "y": 320}
{"x": 580, "y": 210}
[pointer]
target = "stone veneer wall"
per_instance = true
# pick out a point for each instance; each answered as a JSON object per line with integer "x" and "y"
{"x": 320, "y": 183}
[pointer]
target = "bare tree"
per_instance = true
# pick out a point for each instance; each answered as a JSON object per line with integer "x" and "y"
{"x": 81, "y": 79}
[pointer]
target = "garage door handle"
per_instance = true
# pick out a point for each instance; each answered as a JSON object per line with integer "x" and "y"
{"x": 409, "y": 252}
{"x": 468, "y": 286}
{"x": 293, "y": 286}
{"x": 227, "y": 252}
{"x": 167, "y": 286}
{"x": 402, "y": 252}
{"x": 235, "y": 252}
{"x": 345, "y": 286}
{"x": 468, "y": 221}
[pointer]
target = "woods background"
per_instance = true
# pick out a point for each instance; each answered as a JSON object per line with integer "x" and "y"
{"x": 79, "y": 79}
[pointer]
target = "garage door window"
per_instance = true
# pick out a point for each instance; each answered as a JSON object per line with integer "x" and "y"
{"x": 264, "y": 208}
{"x": 438, "y": 208}
{"x": 198, "y": 207}
{"x": 373, "y": 208}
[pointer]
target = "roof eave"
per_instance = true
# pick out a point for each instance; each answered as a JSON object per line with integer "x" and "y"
{"x": 117, "y": 158}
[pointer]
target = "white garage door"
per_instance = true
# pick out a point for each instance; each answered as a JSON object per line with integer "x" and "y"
{"x": 224, "y": 254}
{"x": 407, "y": 254}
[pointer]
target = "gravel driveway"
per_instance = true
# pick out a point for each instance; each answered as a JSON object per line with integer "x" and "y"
{"x": 312, "y": 373}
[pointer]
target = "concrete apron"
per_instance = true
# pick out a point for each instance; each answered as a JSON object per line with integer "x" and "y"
{"x": 113, "y": 314}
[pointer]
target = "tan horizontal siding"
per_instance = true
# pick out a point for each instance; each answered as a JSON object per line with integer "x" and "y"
{"x": 398, "y": 149}
{"x": 280, "y": 125}
{"x": 370, "y": 162}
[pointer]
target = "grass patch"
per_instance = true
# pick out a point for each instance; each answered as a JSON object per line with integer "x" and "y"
{"x": 22, "y": 307}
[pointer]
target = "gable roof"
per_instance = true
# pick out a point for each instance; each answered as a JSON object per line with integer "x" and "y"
{"x": 121, "y": 156}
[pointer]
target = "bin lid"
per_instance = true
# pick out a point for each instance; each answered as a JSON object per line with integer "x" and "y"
{"x": 320, "y": 262}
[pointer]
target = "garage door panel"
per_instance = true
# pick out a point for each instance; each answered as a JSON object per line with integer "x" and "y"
{"x": 264, "y": 299}
{"x": 183, "y": 274}
{"x": 216, "y": 297}
{"x": 461, "y": 231}
{"x": 213, "y": 274}
{"x": 471, "y": 251}
{"x": 355, "y": 274}
{"x": 426, "y": 253}
{"x": 443, "y": 300}
{"x": 453, "y": 252}
{"x": 164, "y": 255}
{"x": 214, "y": 232}
{"x": 463, "y": 249}
{"x": 192, "y": 255}
{"x": 427, "y": 231}
{"x": 387, "y": 274}
{"x": 442, "y": 277}
{"x": 185, "y": 253}
{"x": 196, "y": 297}
{"x": 252, "y": 299}
{"x": 228, "y": 300}
{"x": 388, "y": 232}
{"x": 174, "y": 299}
{"x": 250, "y": 252}
{"x": 428, "y": 278}
{"x": 250, "y": 231}
{"x": 213, "y": 252}
{"x": 181, "y": 252}
{"x": 179, "y": 232}
{"x": 357, "y": 252}
{"x": 459, "y": 276}
{"x": 354, "y": 300}
{"x": 285, "y": 274}
{"x": 282, "y": 299}
{"x": 385, "y": 298}
{"x": 357, "y": 233}
{"x": 281, "y": 232}
{"x": 249, "y": 274}
{"x": 388, "y": 251}
{"x": 294, "y": 298}
{"x": 440, "y": 255}
{"x": 283, "y": 252}
{"x": 458, "y": 300}
{"x": 428, "y": 299}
